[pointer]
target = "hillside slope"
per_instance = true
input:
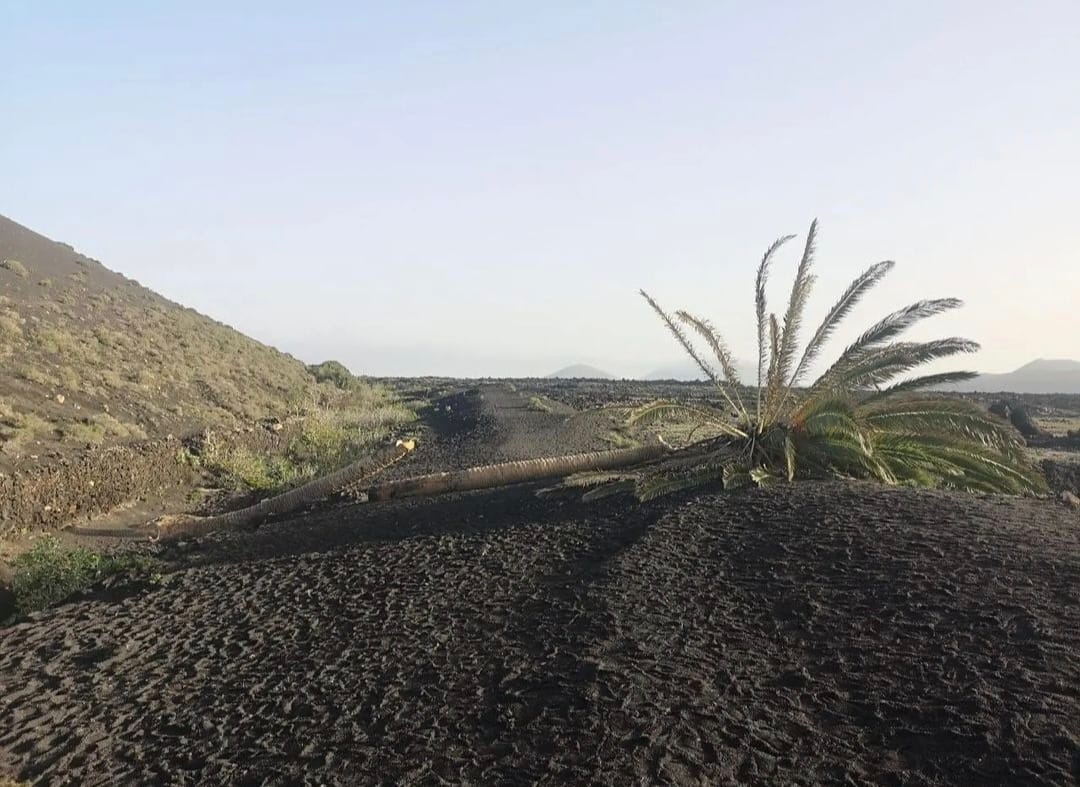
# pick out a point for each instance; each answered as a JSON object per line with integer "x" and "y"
{"x": 89, "y": 357}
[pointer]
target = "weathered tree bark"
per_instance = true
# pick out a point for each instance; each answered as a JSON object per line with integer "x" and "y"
{"x": 490, "y": 476}
{"x": 175, "y": 526}
{"x": 483, "y": 477}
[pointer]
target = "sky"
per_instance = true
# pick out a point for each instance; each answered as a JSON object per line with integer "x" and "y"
{"x": 481, "y": 188}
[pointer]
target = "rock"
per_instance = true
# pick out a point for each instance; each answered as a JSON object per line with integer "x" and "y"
{"x": 59, "y": 398}
{"x": 1071, "y": 500}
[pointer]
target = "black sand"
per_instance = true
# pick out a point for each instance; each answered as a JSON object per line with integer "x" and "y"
{"x": 825, "y": 633}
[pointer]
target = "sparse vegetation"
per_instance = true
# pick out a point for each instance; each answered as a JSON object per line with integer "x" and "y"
{"x": 539, "y": 405}
{"x": 10, "y": 325}
{"x": 331, "y": 435}
{"x": 17, "y": 429}
{"x": 855, "y": 421}
{"x": 49, "y": 572}
{"x": 15, "y": 267}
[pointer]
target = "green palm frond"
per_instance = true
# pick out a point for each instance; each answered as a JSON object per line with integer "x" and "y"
{"x": 879, "y": 366}
{"x": 847, "y": 302}
{"x": 919, "y": 384}
{"x": 889, "y": 328}
{"x": 941, "y": 417}
{"x": 656, "y": 411}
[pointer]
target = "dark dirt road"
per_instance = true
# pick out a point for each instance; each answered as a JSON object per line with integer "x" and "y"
{"x": 818, "y": 634}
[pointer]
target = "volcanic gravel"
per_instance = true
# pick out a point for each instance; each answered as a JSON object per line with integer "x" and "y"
{"x": 821, "y": 633}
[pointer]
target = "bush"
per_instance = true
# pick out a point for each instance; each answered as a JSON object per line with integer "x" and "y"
{"x": 15, "y": 267}
{"x": 539, "y": 405}
{"x": 328, "y": 439}
{"x": 334, "y": 372}
{"x": 50, "y": 572}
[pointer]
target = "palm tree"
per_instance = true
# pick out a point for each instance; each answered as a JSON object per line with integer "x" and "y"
{"x": 856, "y": 420}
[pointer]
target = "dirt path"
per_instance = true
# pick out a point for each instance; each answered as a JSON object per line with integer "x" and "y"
{"x": 825, "y": 633}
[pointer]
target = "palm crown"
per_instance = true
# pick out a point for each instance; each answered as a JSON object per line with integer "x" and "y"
{"x": 857, "y": 419}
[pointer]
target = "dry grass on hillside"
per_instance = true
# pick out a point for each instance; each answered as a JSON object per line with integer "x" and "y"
{"x": 91, "y": 357}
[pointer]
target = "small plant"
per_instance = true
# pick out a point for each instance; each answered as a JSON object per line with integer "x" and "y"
{"x": 539, "y": 405}
{"x": 15, "y": 267}
{"x": 49, "y": 572}
{"x": 855, "y": 421}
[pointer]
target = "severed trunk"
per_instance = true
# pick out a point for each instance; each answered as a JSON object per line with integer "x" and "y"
{"x": 287, "y": 502}
{"x": 506, "y": 473}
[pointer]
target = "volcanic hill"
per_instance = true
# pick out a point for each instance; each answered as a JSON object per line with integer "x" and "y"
{"x": 91, "y": 357}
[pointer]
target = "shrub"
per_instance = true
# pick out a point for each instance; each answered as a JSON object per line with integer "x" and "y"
{"x": 855, "y": 421}
{"x": 10, "y": 324}
{"x": 18, "y": 429}
{"x": 333, "y": 372}
{"x": 539, "y": 405}
{"x": 49, "y": 572}
{"x": 15, "y": 267}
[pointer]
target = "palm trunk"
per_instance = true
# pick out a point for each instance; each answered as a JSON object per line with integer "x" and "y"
{"x": 288, "y": 502}
{"x": 506, "y": 473}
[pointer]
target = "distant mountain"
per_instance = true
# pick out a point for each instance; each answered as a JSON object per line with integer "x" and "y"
{"x": 582, "y": 371}
{"x": 688, "y": 370}
{"x": 1040, "y": 376}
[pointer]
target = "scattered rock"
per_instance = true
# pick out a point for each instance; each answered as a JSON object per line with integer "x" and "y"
{"x": 59, "y": 398}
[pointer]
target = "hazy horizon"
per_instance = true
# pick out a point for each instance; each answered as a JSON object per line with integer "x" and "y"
{"x": 480, "y": 190}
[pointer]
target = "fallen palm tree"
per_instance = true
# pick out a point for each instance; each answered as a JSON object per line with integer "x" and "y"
{"x": 174, "y": 526}
{"x": 505, "y": 473}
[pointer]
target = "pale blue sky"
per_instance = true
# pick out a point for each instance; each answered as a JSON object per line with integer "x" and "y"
{"x": 481, "y": 188}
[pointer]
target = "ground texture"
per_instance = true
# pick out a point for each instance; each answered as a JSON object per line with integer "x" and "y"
{"x": 824, "y": 633}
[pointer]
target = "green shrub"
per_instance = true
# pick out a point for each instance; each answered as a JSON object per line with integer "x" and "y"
{"x": 334, "y": 372}
{"x": 49, "y": 572}
{"x": 539, "y": 405}
{"x": 327, "y": 440}
{"x": 15, "y": 267}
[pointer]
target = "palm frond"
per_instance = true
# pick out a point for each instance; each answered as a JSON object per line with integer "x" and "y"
{"x": 658, "y": 410}
{"x": 789, "y": 345}
{"x": 682, "y": 338}
{"x": 876, "y": 367}
{"x": 837, "y": 313}
{"x": 941, "y": 418}
{"x": 920, "y": 383}
{"x": 625, "y": 486}
{"x": 727, "y": 364}
{"x": 888, "y": 328}
{"x": 771, "y": 379}
{"x": 759, "y": 302}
